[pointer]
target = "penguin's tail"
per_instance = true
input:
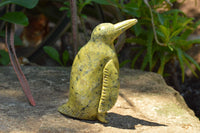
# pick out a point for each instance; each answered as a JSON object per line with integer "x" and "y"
{"x": 71, "y": 111}
{"x": 66, "y": 110}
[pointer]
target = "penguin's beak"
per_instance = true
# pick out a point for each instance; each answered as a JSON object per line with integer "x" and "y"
{"x": 123, "y": 26}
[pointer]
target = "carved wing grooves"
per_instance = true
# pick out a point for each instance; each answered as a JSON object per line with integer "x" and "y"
{"x": 105, "y": 84}
{"x": 110, "y": 87}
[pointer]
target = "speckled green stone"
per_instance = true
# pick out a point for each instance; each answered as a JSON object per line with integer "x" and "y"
{"x": 94, "y": 81}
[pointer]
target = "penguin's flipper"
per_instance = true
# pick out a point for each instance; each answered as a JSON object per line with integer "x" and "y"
{"x": 110, "y": 87}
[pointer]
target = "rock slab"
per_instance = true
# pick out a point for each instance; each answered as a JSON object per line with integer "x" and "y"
{"x": 145, "y": 104}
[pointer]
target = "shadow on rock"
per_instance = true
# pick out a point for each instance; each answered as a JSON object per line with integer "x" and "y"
{"x": 121, "y": 121}
{"x": 127, "y": 122}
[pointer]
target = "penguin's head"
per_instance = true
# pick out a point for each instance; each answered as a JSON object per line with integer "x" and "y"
{"x": 107, "y": 32}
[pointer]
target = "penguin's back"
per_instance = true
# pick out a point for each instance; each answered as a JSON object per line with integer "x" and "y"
{"x": 86, "y": 80}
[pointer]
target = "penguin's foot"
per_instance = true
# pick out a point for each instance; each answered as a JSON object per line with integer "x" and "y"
{"x": 101, "y": 117}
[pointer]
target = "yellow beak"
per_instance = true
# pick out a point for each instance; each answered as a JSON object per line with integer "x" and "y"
{"x": 123, "y": 26}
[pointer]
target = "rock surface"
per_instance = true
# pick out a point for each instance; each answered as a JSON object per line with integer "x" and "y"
{"x": 145, "y": 104}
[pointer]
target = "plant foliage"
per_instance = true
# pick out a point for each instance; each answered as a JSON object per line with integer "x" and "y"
{"x": 53, "y": 53}
{"x": 161, "y": 32}
{"x": 15, "y": 18}
{"x": 25, "y": 3}
{"x": 172, "y": 29}
{"x": 4, "y": 57}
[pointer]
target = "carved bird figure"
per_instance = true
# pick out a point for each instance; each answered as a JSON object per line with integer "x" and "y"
{"x": 94, "y": 81}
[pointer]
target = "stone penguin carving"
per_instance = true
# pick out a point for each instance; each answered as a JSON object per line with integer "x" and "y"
{"x": 94, "y": 81}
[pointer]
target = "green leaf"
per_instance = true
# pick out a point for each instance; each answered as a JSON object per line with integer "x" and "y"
{"x": 192, "y": 60}
{"x": 179, "y": 27}
{"x": 17, "y": 40}
{"x": 82, "y": 4}
{"x": 131, "y": 8}
{"x": 161, "y": 18}
{"x": 25, "y": 3}
{"x": 165, "y": 31}
{"x": 123, "y": 63}
{"x": 176, "y": 32}
{"x": 87, "y": 2}
{"x": 186, "y": 33}
{"x": 65, "y": 57}
{"x": 136, "y": 40}
{"x": 186, "y": 22}
{"x": 137, "y": 29}
{"x": 163, "y": 60}
{"x": 4, "y": 57}
{"x": 195, "y": 41}
{"x": 170, "y": 47}
{"x": 162, "y": 65}
{"x": 172, "y": 11}
{"x": 84, "y": 16}
{"x": 53, "y": 53}
{"x": 63, "y": 8}
{"x": 15, "y": 17}
{"x": 160, "y": 34}
{"x": 134, "y": 12}
{"x": 188, "y": 64}
{"x": 180, "y": 58}
{"x": 149, "y": 49}
{"x": 102, "y": 2}
{"x": 145, "y": 62}
{"x": 136, "y": 57}
{"x": 67, "y": 3}
{"x": 175, "y": 18}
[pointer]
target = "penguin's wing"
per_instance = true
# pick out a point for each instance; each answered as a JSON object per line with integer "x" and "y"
{"x": 110, "y": 87}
